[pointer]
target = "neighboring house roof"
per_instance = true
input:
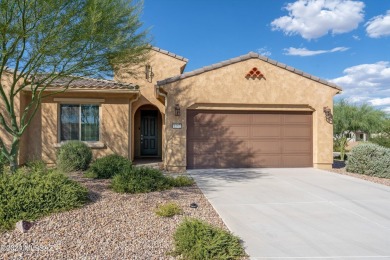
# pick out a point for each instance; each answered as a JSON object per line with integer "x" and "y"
{"x": 250, "y": 55}
{"x": 169, "y": 54}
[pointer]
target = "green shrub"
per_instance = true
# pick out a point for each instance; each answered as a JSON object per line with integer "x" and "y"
{"x": 74, "y": 156}
{"x": 36, "y": 166}
{"x": 196, "y": 240}
{"x": 28, "y": 195}
{"x": 381, "y": 140}
{"x": 181, "y": 181}
{"x": 168, "y": 210}
{"x": 107, "y": 166}
{"x": 370, "y": 159}
{"x": 140, "y": 180}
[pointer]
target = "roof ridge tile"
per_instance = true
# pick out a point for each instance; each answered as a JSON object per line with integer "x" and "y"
{"x": 171, "y": 54}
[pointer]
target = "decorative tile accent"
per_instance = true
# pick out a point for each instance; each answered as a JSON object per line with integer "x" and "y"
{"x": 254, "y": 73}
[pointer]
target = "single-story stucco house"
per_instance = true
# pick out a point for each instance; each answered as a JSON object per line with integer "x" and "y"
{"x": 248, "y": 111}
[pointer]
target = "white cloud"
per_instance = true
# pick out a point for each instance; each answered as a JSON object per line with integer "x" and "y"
{"x": 315, "y": 18}
{"x": 264, "y": 51}
{"x": 379, "y": 26}
{"x": 366, "y": 75}
{"x": 369, "y": 83}
{"x": 380, "y": 101}
{"x": 356, "y": 37}
{"x": 305, "y": 52}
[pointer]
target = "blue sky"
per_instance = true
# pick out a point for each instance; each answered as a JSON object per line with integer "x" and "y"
{"x": 343, "y": 41}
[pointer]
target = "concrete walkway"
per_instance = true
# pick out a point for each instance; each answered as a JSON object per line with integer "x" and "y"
{"x": 301, "y": 213}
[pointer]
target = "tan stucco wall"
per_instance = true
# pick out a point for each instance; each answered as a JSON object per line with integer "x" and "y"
{"x": 227, "y": 88}
{"x": 43, "y": 136}
{"x": 163, "y": 66}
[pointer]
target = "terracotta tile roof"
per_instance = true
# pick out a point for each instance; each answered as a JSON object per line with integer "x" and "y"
{"x": 250, "y": 55}
{"x": 90, "y": 83}
{"x": 169, "y": 54}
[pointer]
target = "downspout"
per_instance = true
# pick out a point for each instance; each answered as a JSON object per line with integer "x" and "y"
{"x": 165, "y": 118}
{"x": 130, "y": 154}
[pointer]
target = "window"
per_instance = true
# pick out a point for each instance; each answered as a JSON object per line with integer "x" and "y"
{"x": 79, "y": 122}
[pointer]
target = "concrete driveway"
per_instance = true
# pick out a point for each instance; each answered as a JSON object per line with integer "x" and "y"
{"x": 301, "y": 213}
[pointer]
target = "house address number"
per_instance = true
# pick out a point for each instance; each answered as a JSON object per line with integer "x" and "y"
{"x": 176, "y": 125}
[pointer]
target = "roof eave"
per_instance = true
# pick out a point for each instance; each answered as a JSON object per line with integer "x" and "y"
{"x": 89, "y": 90}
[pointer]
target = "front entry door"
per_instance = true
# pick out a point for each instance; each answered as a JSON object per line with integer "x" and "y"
{"x": 149, "y": 133}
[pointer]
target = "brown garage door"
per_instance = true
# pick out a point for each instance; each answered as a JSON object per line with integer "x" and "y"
{"x": 232, "y": 139}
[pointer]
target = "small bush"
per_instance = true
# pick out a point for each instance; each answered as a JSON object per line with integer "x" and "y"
{"x": 168, "y": 210}
{"x": 74, "y": 156}
{"x": 140, "y": 180}
{"x": 370, "y": 159}
{"x": 107, "y": 166}
{"x": 196, "y": 240}
{"x": 30, "y": 194}
{"x": 181, "y": 181}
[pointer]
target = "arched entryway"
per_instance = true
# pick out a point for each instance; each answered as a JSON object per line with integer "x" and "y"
{"x": 147, "y": 132}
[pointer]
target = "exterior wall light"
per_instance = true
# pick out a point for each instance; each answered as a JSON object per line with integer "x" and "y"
{"x": 328, "y": 115}
{"x": 177, "y": 110}
{"x": 149, "y": 73}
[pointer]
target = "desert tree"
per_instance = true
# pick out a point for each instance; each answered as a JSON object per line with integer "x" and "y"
{"x": 44, "y": 41}
{"x": 349, "y": 118}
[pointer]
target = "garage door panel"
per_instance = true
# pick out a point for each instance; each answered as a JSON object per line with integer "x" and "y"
{"x": 266, "y": 147}
{"x": 201, "y": 147}
{"x": 267, "y": 161}
{"x": 236, "y": 131}
{"x": 231, "y": 139}
{"x": 202, "y": 161}
{"x": 266, "y": 131}
{"x": 204, "y": 119}
{"x": 234, "y": 160}
{"x": 266, "y": 119}
{"x": 296, "y": 161}
{"x": 235, "y": 119}
{"x": 302, "y": 146}
{"x": 296, "y": 132}
{"x": 297, "y": 119}
{"x": 206, "y": 132}
{"x": 236, "y": 145}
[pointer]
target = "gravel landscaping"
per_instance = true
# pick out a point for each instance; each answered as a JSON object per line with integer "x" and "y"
{"x": 111, "y": 226}
{"x": 339, "y": 167}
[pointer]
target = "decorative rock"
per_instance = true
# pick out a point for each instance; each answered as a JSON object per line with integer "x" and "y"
{"x": 193, "y": 205}
{"x": 113, "y": 224}
{"x": 23, "y": 226}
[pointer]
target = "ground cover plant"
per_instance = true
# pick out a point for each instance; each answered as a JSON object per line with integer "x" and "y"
{"x": 106, "y": 167}
{"x": 198, "y": 240}
{"x": 144, "y": 179}
{"x": 181, "y": 181}
{"x": 169, "y": 209}
{"x": 33, "y": 192}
